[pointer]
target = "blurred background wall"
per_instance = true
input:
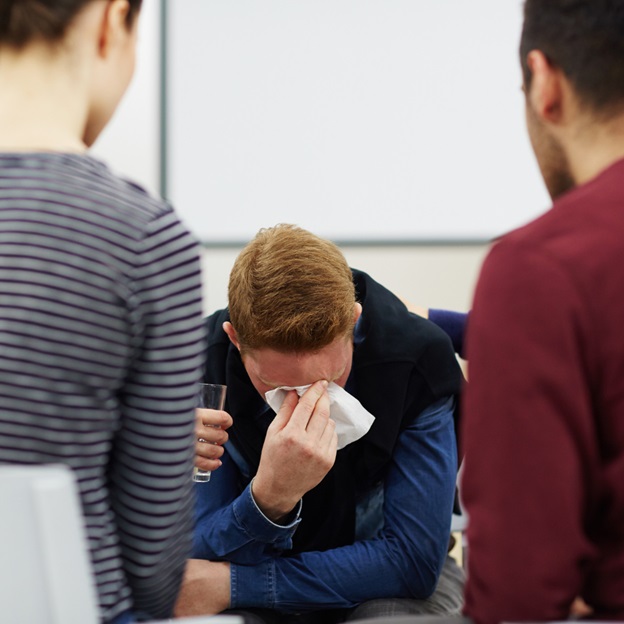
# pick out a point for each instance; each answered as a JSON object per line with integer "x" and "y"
{"x": 435, "y": 273}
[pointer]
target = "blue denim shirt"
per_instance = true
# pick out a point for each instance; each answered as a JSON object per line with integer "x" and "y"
{"x": 402, "y": 531}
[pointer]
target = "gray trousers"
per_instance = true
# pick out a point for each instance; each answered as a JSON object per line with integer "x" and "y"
{"x": 448, "y": 599}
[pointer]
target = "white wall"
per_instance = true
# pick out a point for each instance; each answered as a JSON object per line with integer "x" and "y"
{"x": 438, "y": 276}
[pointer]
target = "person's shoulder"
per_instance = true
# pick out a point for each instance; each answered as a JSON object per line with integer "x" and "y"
{"x": 119, "y": 202}
{"x": 106, "y": 210}
{"x": 584, "y": 220}
{"x": 218, "y": 347}
{"x": 213, "y": 325}
{"x": 389, "y": 330}
{"x": 130, "y": 196}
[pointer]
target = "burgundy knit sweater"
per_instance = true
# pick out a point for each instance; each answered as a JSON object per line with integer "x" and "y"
{"x": 543, "y": 427}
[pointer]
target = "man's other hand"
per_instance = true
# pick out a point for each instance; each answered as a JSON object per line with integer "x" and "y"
{"x": 205, "y": 588}
{"x": 210, "y": 436}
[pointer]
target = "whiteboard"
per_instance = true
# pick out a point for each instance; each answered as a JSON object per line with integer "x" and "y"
{"x": 361, "y": 120}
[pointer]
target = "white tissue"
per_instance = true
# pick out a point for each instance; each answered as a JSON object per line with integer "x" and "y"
{"x": 352, "y": 420}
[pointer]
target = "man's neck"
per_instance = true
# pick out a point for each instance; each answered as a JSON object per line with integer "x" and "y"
{"x": 594, "y": 147}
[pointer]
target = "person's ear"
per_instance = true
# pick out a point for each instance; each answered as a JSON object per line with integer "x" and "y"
{"x": 114, "y": 25}
{"x": 546, "y": 92}
{"x": 357, "y": 312}
{"x": 228, "y": 328}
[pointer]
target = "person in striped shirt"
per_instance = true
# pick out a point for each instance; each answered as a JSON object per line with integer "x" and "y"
{"x": 100, "y": 305}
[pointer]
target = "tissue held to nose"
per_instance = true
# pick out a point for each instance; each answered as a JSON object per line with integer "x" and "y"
{"x": 352, "y": 420}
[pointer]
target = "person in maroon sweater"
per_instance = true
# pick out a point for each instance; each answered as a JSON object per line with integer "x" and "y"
{"x": 543, "y": 421}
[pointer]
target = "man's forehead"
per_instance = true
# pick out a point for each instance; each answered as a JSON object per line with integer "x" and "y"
{"x": 276, "y": 368}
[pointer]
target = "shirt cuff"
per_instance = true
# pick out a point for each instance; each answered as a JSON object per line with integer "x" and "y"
{"x": 252, "y": 586}
{"x": 259, "y": 527}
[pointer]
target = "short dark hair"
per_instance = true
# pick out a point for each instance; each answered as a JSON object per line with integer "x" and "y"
{"x": 22, "y": 21}
{"x": 583, "y": 38}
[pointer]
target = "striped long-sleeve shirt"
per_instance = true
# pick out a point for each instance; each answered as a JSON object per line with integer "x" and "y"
{"x": 100, "y": 349}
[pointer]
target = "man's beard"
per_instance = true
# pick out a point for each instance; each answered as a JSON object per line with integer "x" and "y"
{"x": 551, "y": 157}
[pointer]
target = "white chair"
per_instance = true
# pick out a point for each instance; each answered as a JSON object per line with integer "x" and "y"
{"x": 45, "y": 571}
{"x": 44, "y": 564}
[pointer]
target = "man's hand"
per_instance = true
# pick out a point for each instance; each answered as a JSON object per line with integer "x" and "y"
{"x": 299, "y": 450}
{"x": 580, "y": 609}
{"x": 210, "y": 427}
{"x": 205, "y": 588}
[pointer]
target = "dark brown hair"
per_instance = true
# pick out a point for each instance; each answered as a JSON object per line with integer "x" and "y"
{"x": 291, "y": 291}
{"x": 22, "y": 21}
{"x": 583, "y": 38}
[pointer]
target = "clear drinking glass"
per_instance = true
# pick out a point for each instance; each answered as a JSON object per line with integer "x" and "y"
{"x": 209, "y": 396}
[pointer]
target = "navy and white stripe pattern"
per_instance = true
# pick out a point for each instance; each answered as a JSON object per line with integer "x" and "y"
{"x": 101, "y": 345}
